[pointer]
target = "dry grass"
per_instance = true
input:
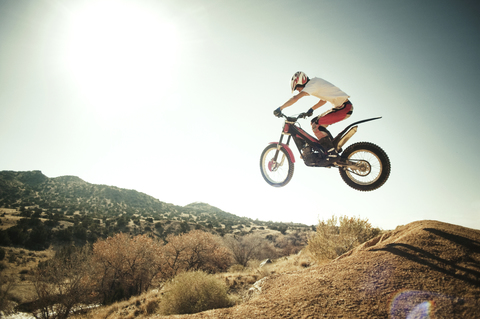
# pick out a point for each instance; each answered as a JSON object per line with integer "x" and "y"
{"x": 142, "y": 306}
{"x": 423, "y": 269}
{"x": 19, "y": 264}
{"x": 9, "y": 218}
{"x": 238, "y": 280}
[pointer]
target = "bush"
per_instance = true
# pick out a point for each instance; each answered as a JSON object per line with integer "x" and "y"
{"x": 151, "y": 307}
{"x": 126, "y": 265}
{"x": 193, "y": 292}
{"x": 6, "y": 285}
{"x": 195, "y": 250}
{"x": 336, "y": 236}
{"x": 63, "y": 283}
{"x": 244, "y": 248}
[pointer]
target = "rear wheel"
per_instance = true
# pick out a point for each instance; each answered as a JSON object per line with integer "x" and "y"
{"x": 372, "y": 166}
{"x": 276, "y": 172}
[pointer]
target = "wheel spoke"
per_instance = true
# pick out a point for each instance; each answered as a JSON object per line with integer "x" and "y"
{"x": 369, "y": 167}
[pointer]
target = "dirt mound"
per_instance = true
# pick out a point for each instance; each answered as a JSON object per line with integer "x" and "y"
{"x": 426, "y": 269}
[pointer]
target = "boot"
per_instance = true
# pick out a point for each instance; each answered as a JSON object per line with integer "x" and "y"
{"x": 327, "y": 145}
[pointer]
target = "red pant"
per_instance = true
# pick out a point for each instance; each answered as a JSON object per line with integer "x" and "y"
{"x": 337, "y": 114}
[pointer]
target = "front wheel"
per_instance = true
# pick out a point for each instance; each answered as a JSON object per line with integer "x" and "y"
{"x": 276, "y": 166}
{"x": 370, "y": 169}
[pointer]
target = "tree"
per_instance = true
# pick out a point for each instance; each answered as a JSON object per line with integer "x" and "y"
{"x": 65, "y": 234}
{"x": 184, "y": 227}
{"x": 17, "y": 235}
{"x": 6, "y": 285}
{"x": 126, "y": 265}
{"x": 291, "y": 243}
{"x": 64, "y": 283}
{"x": 38, "y": 239}
{"x": 244, "y": 248}
{"x": 80, "y": 233}
{"x": 4, "y": 238}
{"x": 195, "y": 250}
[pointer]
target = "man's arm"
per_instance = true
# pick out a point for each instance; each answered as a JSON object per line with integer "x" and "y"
{"x": 294, "y": 99}
{"x": 319, "y": 104}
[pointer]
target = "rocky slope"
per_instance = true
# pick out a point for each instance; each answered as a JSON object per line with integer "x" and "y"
{"x": 426, "y": 269}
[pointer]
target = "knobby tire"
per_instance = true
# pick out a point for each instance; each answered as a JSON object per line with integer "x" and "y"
{"x": 378, "y": 163}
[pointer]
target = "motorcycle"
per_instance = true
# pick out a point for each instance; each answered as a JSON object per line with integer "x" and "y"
{"x": 364, "y": 166}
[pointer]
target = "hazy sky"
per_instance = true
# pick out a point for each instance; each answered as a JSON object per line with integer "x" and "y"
{"x": 175, "y": 99}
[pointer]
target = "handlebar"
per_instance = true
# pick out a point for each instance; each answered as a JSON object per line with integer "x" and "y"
{"x": 293, "y": 118}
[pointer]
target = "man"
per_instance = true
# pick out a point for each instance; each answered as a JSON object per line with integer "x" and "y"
{"x": 326, "y": 92}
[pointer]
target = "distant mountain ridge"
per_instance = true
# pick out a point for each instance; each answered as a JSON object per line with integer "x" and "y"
{"x": 33, "y": 188}
{"x": 67, "y": 209}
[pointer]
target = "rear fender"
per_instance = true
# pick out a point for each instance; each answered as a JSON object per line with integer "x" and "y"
{"x": 342, "y": 133}
{"x": 287, "y": 148}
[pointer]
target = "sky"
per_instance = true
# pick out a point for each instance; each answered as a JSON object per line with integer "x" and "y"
{"x": 175, "y": 99}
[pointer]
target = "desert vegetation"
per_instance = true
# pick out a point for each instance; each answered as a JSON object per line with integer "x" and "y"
{"x": 191, "y": 272}
{"x": 39, "y": 212}
{"x": 337, "y": 235}
{"x": 192, "y": 292}
{"x": 70, "y": 248}
{"x": 124, "y": 266}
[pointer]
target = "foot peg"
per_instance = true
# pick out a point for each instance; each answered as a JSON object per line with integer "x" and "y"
{"x": 332, "y": 154}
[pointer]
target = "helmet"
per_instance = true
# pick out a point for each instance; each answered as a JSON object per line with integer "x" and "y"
{"x": 298, "y": 78}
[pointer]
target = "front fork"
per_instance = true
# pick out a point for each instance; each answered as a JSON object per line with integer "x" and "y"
{"x": 279, "y": 146}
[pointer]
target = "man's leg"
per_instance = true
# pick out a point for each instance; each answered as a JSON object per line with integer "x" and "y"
{"x": 330, "y": 117}
{"x": 336, "y": 114}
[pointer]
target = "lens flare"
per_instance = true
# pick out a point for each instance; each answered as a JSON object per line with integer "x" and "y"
{"x": 413, "y": 304}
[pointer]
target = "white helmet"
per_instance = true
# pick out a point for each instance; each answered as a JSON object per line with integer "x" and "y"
{"x": 298, "y": 78}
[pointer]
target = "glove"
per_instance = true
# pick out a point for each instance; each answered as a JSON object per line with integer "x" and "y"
{"x": 309, "y": 112}
{"x": 277, "y": 112}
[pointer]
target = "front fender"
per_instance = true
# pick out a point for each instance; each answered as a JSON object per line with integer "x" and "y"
{"x": 287, "y": 148}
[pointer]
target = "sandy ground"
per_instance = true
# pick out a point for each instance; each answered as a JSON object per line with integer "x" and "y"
{"x": 426, "y": 269}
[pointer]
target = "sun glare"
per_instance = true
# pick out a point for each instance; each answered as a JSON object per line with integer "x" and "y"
{"x": 121, "y": 54}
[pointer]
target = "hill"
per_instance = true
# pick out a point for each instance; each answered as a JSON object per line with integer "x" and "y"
{"x": 426, "y": 269}
{"x": 38, "y": 210}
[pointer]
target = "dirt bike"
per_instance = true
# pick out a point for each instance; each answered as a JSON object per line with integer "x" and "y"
{"x": 363, "y": 166}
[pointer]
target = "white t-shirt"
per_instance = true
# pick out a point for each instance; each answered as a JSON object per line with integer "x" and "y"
{"x": 326, "y": 91}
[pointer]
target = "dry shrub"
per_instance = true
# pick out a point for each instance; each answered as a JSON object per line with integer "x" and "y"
{"x": 151, "y": 307}
{"x": 244, "y": 248}
{"x": 195, "y": 250}
{"x": 111, "y": 310}
{"x": 138, "y": 307}
{"x": 63, "y": 284}
{"x": 6, "y": 285}
{"x": 285, "y": 264}
{"x": 237, "y": 268}
{"x": 192, "y": 292}
{"x": 239, "y": 278}
{"x": 294, "y": 262}
{"x": 336, "y": 236}
{"x": 151, "y": 302}
{"x": 126, "y": 265}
